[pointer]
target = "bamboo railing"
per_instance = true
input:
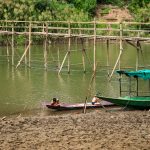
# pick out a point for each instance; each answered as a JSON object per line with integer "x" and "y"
{"x": 111, "y": 30}
{"x": 131, "y": 32}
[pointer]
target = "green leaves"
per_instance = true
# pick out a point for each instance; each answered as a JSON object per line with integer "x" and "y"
{"x": 73, "y": 10}
{"x": 46, "y": 10}
{"x": 140, "y": 9}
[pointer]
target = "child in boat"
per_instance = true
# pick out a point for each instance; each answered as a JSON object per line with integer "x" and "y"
{"x": 95, "y": 100}
{"x": 55, "y": 102}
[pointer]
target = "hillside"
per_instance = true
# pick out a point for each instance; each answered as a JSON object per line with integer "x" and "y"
{"x": 113, "y": 13}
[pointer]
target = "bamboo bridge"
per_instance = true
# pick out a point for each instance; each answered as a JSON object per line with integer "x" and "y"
{"x": 131, "y": 32}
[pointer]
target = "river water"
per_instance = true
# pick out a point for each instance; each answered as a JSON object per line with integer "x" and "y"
{"x": 23, "y": 90}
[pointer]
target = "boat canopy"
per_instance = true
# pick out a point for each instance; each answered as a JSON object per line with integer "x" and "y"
{"x": 144, "y": 74}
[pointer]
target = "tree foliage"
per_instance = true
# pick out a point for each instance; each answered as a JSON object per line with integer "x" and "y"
{"x": 73, "y": 10}
{"x": 140, "y": 9}
{"x": 44, "y": 10}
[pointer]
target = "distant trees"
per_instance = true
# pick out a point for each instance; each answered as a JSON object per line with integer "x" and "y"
{"x": 85, "y": 5}
{"x": 46, "y": 9}
{"x": 76, "y": 10}
{"x": 140, "y": 9}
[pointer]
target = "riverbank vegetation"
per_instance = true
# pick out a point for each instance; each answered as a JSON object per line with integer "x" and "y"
{"x": 68, "y": 10}
{"x": 73, "y": 10}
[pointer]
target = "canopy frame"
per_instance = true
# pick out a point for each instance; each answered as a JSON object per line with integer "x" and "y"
{"x": 143, "y": 74}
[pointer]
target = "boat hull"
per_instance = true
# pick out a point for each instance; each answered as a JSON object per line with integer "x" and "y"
{"x": 138, "y": 102}
{"x": 64, "y": 106}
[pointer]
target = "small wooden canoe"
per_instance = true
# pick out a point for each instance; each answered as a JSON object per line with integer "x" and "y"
{"x": 65, "y": 106}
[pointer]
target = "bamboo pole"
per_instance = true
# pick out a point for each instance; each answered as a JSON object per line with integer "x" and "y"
{"x": 137, "y": 57}
{"x": 85, "y": 103}
{"x": 140, "y": 49}
{"x": 88, "y": 58}
{"x": 121, "y": 34}
{"x": 83, "y": 57}
{"x": 7, "y": 51}
{"x": 45, "y": 48}
{"x": 120, "y": 84}
{"x": 108, "y": 57}
{"x": 26, "y": 50}
{"x": 89, "y": 90}
{"x": 29, "y": 46}
{"x": 94, "y": 67}
{"x": 63, "y": 62}
{"x": 7, "y": 45}
{"x": 130, "y": 86}
{"x": 69, "y": 45}
{"x": 25, "y": 58}
{"x": 58, "y": 57}
{"x": 137, "y": 86}
{"x": 120, "y": 53}
{"x": 12, "y": 46}
{"x": 149, "y": 86}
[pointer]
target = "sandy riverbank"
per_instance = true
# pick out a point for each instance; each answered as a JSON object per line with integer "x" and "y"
{"x": 95, "y": 130}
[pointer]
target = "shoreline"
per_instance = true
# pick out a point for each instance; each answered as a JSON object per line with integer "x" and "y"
{"x": 94, "y": 130}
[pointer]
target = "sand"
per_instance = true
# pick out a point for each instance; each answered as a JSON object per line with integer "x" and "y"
{"x": 96, "y": 130}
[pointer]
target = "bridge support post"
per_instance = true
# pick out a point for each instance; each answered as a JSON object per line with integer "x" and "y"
{"x": 120, "y": 53}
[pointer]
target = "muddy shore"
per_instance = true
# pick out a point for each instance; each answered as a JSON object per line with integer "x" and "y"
{"x": 115, "y": 130}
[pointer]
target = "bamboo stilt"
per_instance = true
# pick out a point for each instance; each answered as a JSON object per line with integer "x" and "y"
{"x": 29, "y": 46}
{"x": 94, "y": 67}
{"x": 120, "y": 53}
{"x": 137, "y": 57}
{"x": 7, "y": 51}
{"x": 25, "y": 45}
{"x": 108, "y": 57}
{"x": 69, "y": 58}
{"x": 12, "y": 46}
{"x": 137, "y": 87}
{"x": 83, "y": 57}
{"x": 121, "y": 47}
{"x": 25, "y": 58}
{"x": 149, "y": 87}
{"x": 88, "y": 58}
{"x": 140, "y": 49}
{"x": 69, "y": 46}
{"x": 89, "y": 90}
{"x": 45, "y": 48}
{"x": 115, "y": 65}
{"x": 25, "y": 52}
{"x": 85, "y": 103}
{"x": 63, "y": 62}
{"x": 58, "y": 57}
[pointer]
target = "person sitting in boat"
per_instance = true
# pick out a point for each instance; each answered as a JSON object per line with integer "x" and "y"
{"x": 95, "y": 100}
{"x": 55, "y": 102}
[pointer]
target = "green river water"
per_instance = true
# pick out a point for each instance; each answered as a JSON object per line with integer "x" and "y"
{"x": 23, "y": 90}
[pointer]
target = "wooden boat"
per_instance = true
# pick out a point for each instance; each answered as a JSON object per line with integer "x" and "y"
{"x": 65, "y": 106}
{"x": 138, "y": 102}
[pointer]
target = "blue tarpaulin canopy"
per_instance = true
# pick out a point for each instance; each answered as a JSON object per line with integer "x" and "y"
{"x": 144, "y": 74}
